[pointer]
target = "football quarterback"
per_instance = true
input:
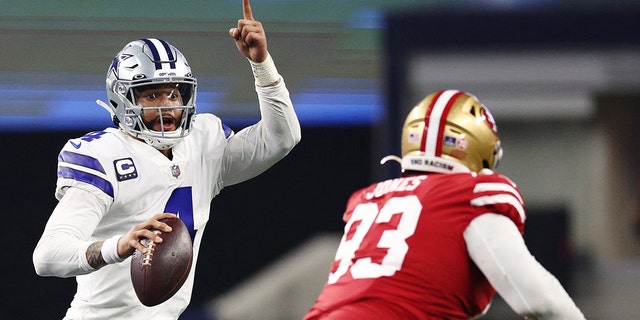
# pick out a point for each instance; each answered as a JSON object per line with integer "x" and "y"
{"x": 162, "y": 160}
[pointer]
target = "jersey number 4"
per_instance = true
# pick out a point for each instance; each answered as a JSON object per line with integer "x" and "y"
{"x": 367, "y": 224}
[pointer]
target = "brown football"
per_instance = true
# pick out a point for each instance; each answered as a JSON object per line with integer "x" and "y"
{"x": 158, "y": 275}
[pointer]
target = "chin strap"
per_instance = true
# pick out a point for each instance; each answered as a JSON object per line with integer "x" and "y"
{"x": 106, "y": 107}
{"x": 391, "y": 157}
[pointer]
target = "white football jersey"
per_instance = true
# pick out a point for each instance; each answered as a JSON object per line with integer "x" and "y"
{"x": 136, "y": 182}
{"x": 131, "y": 181}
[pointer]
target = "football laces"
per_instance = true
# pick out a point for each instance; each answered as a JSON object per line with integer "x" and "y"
{"x": 148, "y": 257}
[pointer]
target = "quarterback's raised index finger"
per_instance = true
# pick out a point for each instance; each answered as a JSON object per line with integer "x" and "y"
{"x": 246, "y": 10}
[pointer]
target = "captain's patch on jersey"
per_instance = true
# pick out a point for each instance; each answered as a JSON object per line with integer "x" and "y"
{"x": 125, "y": 169}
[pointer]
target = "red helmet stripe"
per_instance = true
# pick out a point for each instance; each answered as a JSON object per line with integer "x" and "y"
{"x": 435, "y": 121}
{"x": 427, "y": 118}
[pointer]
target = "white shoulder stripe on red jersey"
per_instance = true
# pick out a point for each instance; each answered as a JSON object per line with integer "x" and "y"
{"x": 501, "y": 199}
{"x": 497, "y": 186}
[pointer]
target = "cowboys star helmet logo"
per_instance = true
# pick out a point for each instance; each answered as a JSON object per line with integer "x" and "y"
{"x": 116, "y": 63}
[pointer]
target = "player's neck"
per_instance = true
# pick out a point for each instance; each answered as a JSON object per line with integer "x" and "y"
{"x": 167, "y": 153}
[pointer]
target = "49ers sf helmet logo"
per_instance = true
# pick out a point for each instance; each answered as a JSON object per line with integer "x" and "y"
{"x": 490, "y": 121}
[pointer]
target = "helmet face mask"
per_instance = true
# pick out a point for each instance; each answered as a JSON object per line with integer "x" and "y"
{"x": 147, "y": 63}
{"x": 450, "y": 131}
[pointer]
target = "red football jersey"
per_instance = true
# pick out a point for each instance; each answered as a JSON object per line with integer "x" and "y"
{"x": 403, "y": 254}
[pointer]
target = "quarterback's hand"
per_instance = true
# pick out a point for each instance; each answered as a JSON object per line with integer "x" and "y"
{"x": 249, "y": 36}
{"x": 130, "y": 241}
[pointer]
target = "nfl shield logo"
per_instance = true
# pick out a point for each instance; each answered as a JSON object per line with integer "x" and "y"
{"x": 175, "y": 170}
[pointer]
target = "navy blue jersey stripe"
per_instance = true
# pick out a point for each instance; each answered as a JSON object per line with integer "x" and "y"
{"x": 172, "y": 65}
{"x": 102, "y": 184}
{"x": 81, "y": 160}
{"x": 227, "y": 131}
{"x": 154, "y": 52}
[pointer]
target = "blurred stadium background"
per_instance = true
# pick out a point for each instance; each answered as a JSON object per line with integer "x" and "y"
{"x": 562, "y": 79}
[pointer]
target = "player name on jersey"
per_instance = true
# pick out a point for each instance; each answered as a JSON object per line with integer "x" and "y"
{"x": 398, "y": 184}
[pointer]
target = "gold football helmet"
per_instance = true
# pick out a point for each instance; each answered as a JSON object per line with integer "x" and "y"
{"x": 449, "y": 131}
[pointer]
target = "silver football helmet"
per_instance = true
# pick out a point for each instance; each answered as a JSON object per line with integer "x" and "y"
{"x": 142, "y": 63}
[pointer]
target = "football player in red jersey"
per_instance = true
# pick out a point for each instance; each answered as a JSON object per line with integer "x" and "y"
{"x": 438, "y": 242}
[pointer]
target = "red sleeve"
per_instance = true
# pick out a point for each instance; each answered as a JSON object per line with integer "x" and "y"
{"x": 495, "y": 193}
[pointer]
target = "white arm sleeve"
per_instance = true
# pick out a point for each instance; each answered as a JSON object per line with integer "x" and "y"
{"x": 256, "y": 148}
{"x": 61, "y": 251}
{"x": 497, "y": 248}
